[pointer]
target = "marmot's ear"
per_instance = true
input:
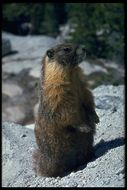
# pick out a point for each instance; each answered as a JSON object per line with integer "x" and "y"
{"x": 50, "y": 53}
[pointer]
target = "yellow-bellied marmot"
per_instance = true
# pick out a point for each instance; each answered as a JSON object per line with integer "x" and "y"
{"x": 66, "y": 118}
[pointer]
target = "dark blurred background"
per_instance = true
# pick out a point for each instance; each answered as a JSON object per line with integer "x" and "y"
{"x": 100, "y": 26}
{"x": 29, "y": 29}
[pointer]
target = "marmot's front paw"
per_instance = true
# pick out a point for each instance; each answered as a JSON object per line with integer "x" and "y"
{"x": 84, "y": 128}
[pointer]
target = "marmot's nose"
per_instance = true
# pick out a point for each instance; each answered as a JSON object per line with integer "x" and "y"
{"x": 80, "y": 49}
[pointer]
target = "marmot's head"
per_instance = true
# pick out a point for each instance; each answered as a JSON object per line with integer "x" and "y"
{"x": 66, "y": 54}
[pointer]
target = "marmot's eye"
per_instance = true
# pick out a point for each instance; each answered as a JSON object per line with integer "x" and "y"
{"x": 67, "y": 49}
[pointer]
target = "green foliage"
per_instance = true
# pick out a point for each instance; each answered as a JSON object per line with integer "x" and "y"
{"x": 100, "y": 26}
{"x": 40, "y": 15}
{"x": 49, "y": 24}
{"x": 13, "y": 10}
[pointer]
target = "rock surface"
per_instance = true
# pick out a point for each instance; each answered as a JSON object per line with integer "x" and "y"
{"x": 20, "y": 74}
{"x": 107, "y": 170}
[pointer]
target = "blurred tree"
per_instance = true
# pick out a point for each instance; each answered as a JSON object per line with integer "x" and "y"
{"x": 60, "y": 12}
{"x": 49, "y": 25}
{"x": 54, "y": 16}
{"x": 36, "y": 13}
{"x": 45, "y": 18}
{"x": 100, "y": 26}
{"x": 13, "y": 17}
{"x": 18, "y": 13}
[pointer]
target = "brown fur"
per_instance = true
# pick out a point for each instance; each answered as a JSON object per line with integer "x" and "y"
{"x": 65, "y": 122}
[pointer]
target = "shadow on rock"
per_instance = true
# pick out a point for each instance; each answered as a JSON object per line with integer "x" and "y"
{"x": 103, "y": 146}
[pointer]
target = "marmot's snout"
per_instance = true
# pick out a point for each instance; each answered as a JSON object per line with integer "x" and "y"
{"x": 81, "y": 53}
{"x": 80, "y": 50}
